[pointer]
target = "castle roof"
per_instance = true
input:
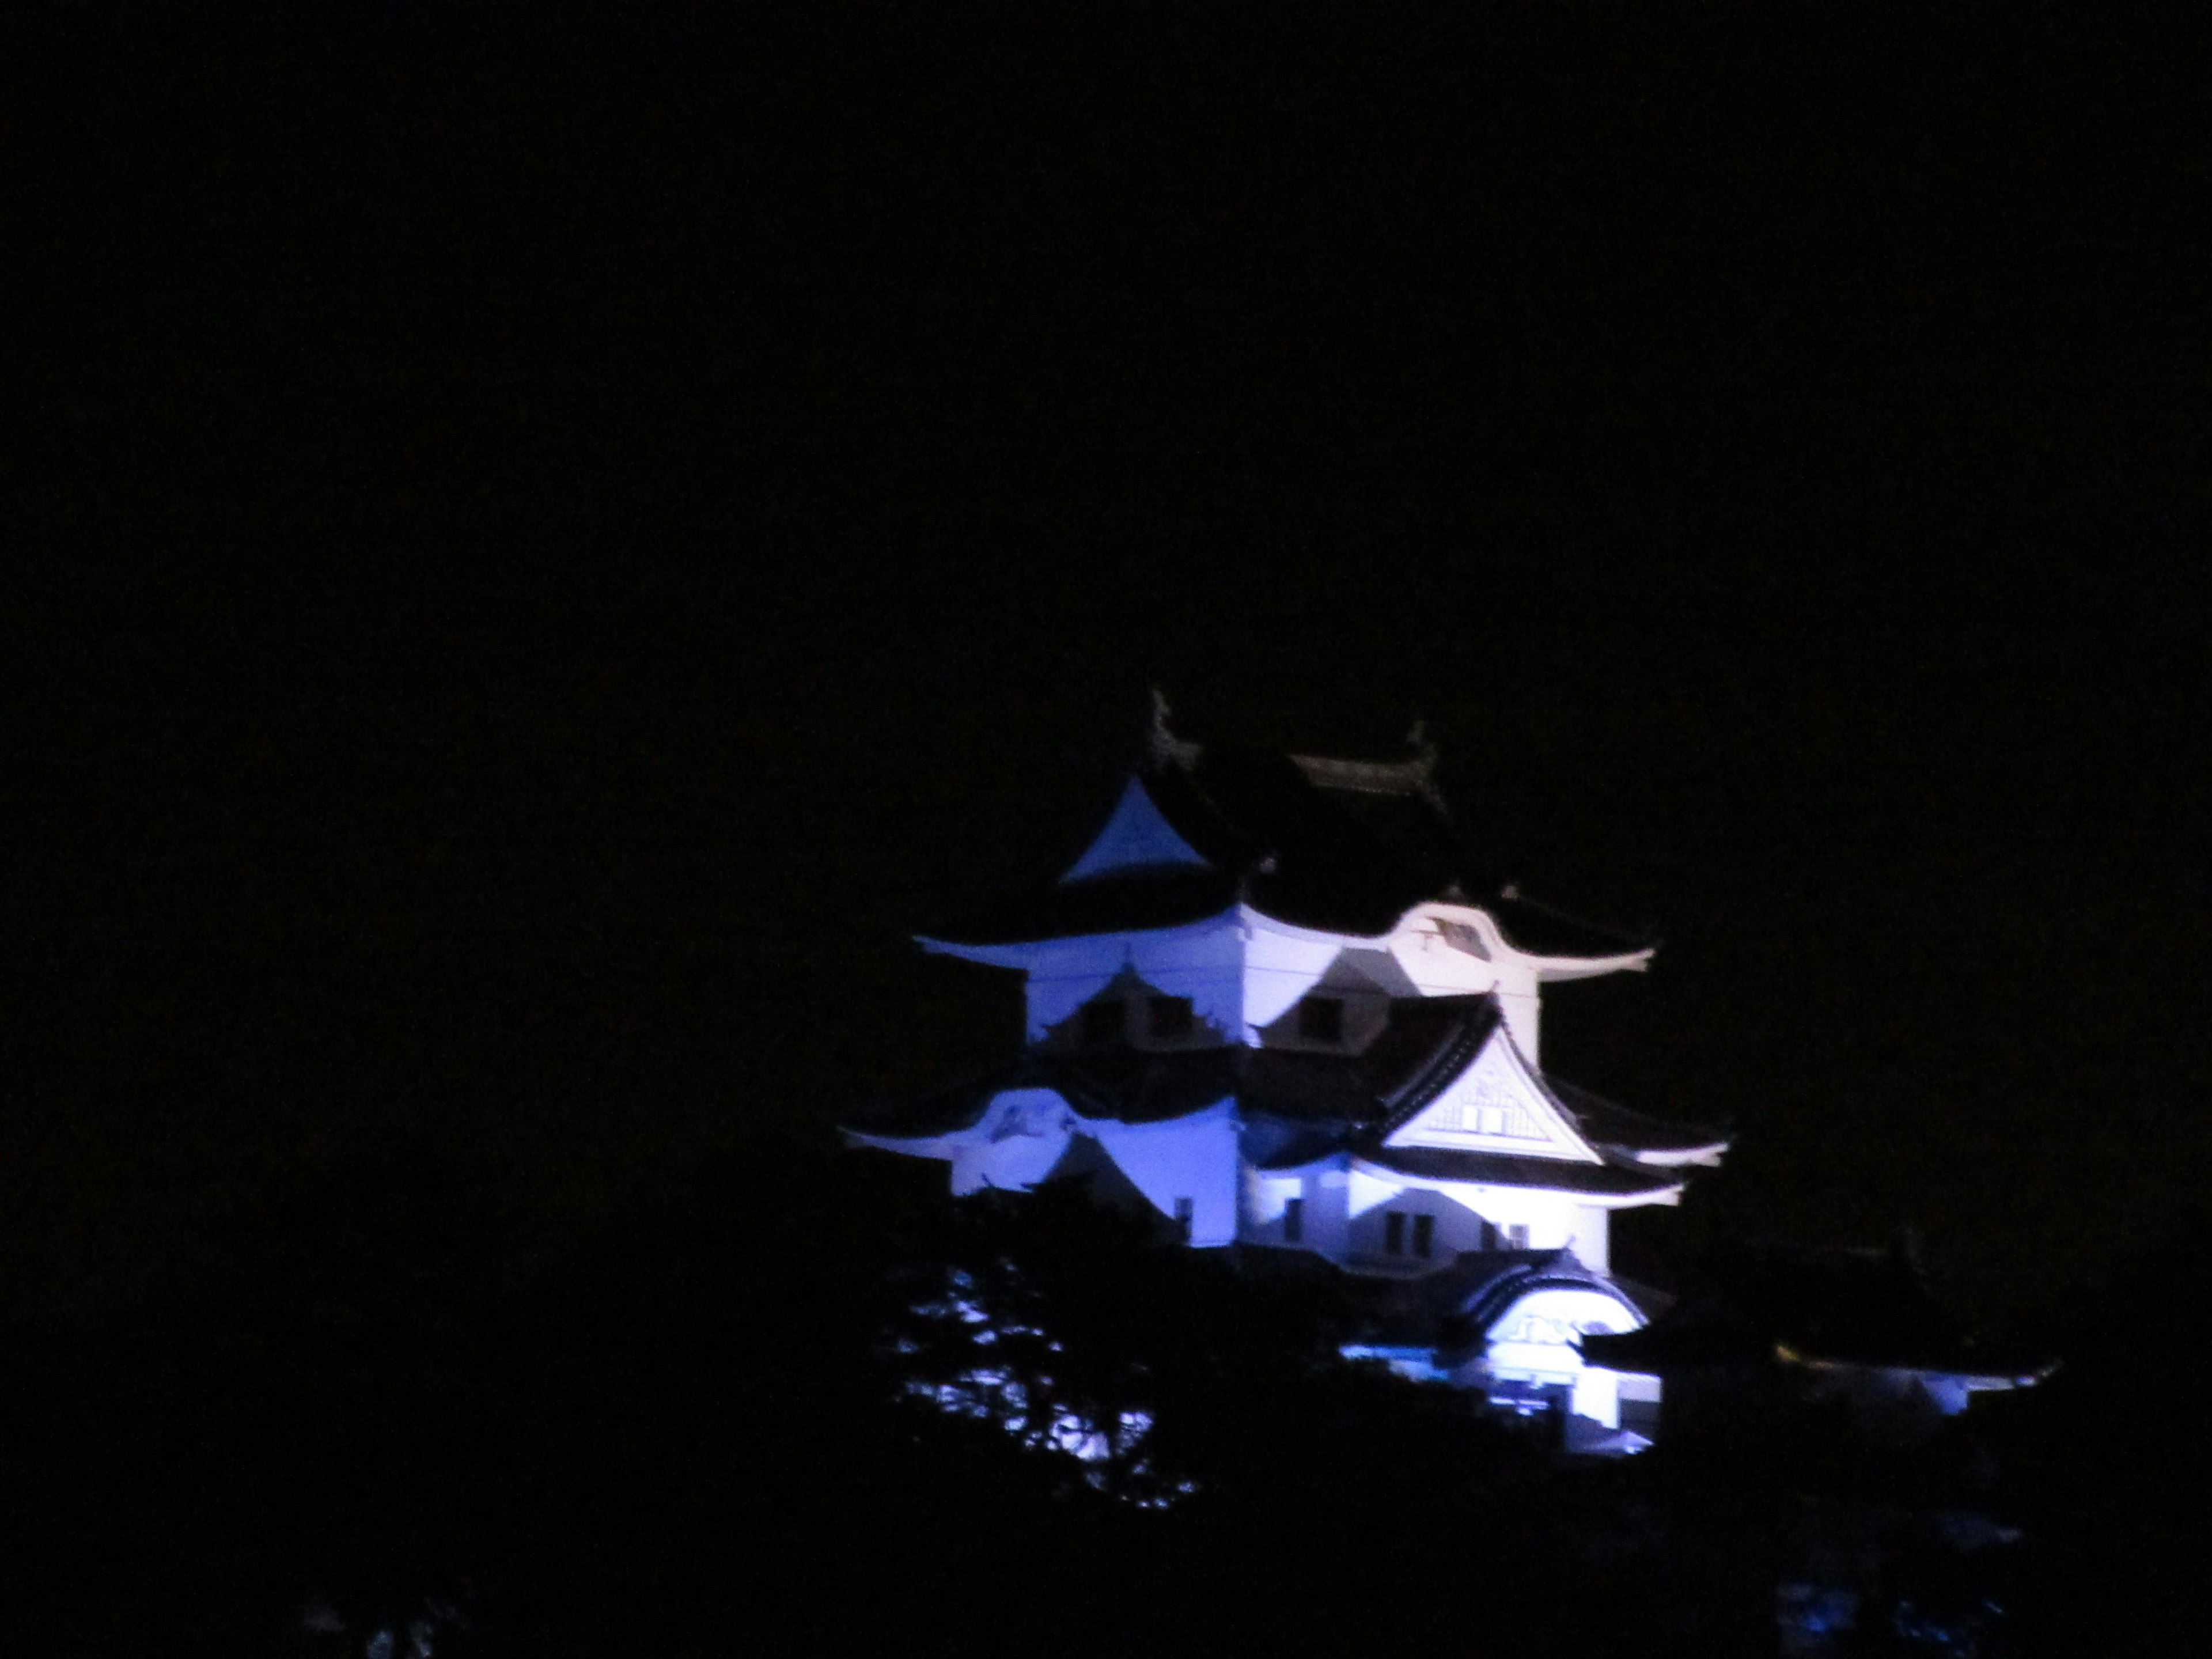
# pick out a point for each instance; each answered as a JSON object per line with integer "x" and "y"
{"x": 1339, "y": 845}
{"x": 1635, "y": 1135}
{"x": 1327, "y": 1102}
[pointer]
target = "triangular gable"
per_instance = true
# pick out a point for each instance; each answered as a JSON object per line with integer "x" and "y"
{"x": 1136, "y": 835}
{"x": 1496, "y": 1104}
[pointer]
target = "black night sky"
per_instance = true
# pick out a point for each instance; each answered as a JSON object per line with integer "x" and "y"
{"x": 552, "y": 545}
{"x": 543, "y": 541}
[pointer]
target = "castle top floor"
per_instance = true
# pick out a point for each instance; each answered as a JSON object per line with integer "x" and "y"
{"x": 1239, "y": 897}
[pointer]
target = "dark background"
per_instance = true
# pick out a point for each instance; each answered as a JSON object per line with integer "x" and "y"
{"x": 545, "y": 540}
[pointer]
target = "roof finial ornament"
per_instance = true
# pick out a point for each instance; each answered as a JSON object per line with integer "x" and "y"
{"x": 1162, "y": 747}
{"x": 1423, "y": 747}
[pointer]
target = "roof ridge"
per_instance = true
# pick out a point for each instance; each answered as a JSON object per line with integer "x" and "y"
{"x": 1512, "y": 894}
{"x": 1414, "y": 775}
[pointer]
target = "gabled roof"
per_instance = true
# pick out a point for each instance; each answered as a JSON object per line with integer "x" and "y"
{"x": 1427, "y": 1112}
{"x": 1616, "y": 1129}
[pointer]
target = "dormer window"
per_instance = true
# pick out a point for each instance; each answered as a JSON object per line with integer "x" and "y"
{"x": 1104, "y": 1021}
{"x": 1168, "y": 1019}
{"x": 1321, "y": 1020}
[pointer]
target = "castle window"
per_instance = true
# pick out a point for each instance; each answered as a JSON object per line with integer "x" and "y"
{"x": 1517, "y": 1235}
{"x": 1424, "y": 1235}
{"x": 1294, "y": 1221}
{"x": 1168, "y": 1019}
{"x": 1104, "y": 1021}
{"x": 1184, "y": 1210}
{"x": 1321, "y": 1020}
{"x": 1394, "y": 1234}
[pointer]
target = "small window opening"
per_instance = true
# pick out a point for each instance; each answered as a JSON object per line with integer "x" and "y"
{"x": 1184, "y": 1210}
{"x": 1294, "y": 1221}
{"x": 1424, "y": 1235}
{"x": 1321, "y": 1020}
{"x": 1394, "y": 1234}
{"x": 1517, "y": 1235}
{"x": 1104, "y": 1021}
{"x": 1168, "y": 1019}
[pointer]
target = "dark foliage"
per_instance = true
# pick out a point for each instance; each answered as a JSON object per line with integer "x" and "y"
{"x": 704, "y": 1424}
{"x": 694, "y": 1429}
{"x": 2110, "y": 1459}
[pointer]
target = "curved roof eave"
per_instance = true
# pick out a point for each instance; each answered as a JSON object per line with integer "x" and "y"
{"x": 1607, "y": 1186}
{"x": 1673, "y": 1157}
{"x": 1552, "y": 969}
{"x": 1018, "y": 953}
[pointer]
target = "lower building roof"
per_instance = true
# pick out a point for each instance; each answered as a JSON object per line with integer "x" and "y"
{"x": 1753, "y": 1302}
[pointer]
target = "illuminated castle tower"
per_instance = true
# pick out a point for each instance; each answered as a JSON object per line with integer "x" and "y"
{"x": 1263, "y": 1003}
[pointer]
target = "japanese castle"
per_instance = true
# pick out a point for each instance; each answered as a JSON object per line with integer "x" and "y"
{"x": 1270, "y": 1003}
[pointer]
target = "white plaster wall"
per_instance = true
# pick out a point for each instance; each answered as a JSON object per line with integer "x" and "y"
{"x": 1194, "y": 1157}
{"x": 1549, "y": 1217}
{"x": 1554, "y": 1221}
{"x": 1267, "y": 1194}
{"x": 1590, "y": 1236}
{"x": 1322, "y": 1185}
{"x": 1281, "y": 964}
{"x": 1329, "y": 1191}
{"x": 1458, "y": 1228}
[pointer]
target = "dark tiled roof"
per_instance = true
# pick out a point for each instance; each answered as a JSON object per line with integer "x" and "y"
{"x": 1134, "y": 1087}
{"x": 1820, "y": 1303}
{"x": 1125, "y": 902}
{"x": 939, "y": 1112}
{"x": 1339, "y": 845}
{"x": 1428, "y": 1042}
{"x": 1611, "y": 1126}
{"x": 1543, "y": 931}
